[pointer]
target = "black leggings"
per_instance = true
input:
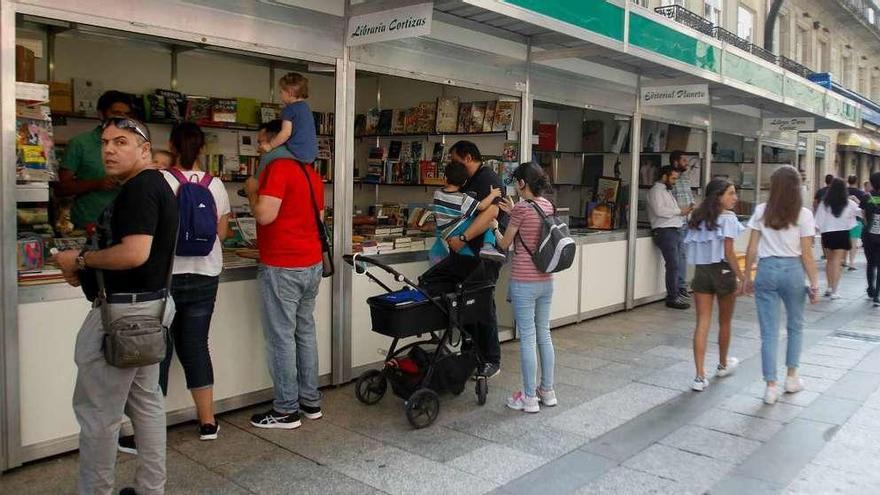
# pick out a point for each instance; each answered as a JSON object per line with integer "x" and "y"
{"x": 872, "y": 255}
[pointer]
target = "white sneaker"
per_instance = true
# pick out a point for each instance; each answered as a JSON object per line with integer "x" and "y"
{"x": 520, "y": 402}
{"x": 770, "y": 395}
{"x": 834, "y": 296}
{"x": 547, "y": 397}
{"x": 723, "y": 371}
{"x": 793, "y": 384}
{"x": 489, "y": 252}
{"x": 700, "y": 383}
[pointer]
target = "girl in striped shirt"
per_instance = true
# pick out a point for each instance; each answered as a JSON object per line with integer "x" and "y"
{"x": 530, "y": 290}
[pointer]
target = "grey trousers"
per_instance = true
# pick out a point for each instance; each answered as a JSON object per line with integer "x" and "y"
{"x": 103, "y": 394}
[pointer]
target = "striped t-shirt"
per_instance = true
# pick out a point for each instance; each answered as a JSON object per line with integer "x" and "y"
{"x": 451, "y": 209}
{"x": 526, "y": 219}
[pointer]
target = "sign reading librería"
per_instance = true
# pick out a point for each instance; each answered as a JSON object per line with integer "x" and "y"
{"x": 403, "y": 22}
{"x": 788, "y": 124}
{"x": 687, "y": 94}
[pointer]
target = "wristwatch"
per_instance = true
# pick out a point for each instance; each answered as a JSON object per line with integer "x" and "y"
{"x": 81, "y": 260}
{"x": 462, "y": 238}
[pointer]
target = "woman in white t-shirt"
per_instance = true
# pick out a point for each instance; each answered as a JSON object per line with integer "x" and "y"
{"x": 835, "y": 217}
{"x": 194, "y": 285}
{"x": 782, "y": 232}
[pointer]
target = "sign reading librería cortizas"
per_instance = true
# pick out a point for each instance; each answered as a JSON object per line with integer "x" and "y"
{"x": 403, "y": 22}
{"x": 788, "y": 124}
{"x": 687, "y": 94}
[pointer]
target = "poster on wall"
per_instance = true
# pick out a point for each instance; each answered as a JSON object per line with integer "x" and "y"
{"x": 602, "y": 211}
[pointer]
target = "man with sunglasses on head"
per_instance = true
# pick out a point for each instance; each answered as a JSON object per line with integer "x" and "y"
{"x": 82, "y": 170}
{"x": 133, "y": 247}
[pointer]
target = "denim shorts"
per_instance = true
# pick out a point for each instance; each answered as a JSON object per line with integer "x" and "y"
{"x": 716, "y": 278}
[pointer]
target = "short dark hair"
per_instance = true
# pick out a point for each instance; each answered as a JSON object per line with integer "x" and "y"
{"x": 110, "y": 97}
{"x": 272, "y": 127}
{"x": 852, "y": 180}
{"x": 828, "y": 179}
{"x": 875, "y": 182}
{"x": 667, "y": 170}
{"x": 462, "y": 148}
{"x": 187, "y": 140}
{"x": 456, "y": 173}
{"x": 675, "y": 156}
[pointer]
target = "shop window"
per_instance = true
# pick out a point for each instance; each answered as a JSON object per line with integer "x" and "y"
{"x": 784, "y": 30}
{"x": 665, "y": 3}
{"x": 802, "y": 46}
{"x": 745, "y": 23}
{"x": 712, "y": 11}
{"x": 823, "y": 56}
{"x": 862, "y": 80}
{"x": 846, "y": 71}
{"x": 641, "y": 3}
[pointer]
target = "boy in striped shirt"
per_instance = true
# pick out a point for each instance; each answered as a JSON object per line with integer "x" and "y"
{"x": 454, "y": 211}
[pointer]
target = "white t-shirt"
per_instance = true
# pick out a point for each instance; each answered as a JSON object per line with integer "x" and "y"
{"x": 827, "y": 222}
{"x": 212, "y": 264}
{"x": 785, "y": 242}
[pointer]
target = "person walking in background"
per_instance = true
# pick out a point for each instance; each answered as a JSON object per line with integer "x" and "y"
{"x": 857, "y": 196}
{"x": 684, "y": 195}
{"x": 781, "y": 239}
{"x": 667, "y": 218}
{"x": 871, "y": 238}
{"x": 530, "y": 290}
{"x": 196, "y": 275}
{"x": 835, "y": 218}
{"x": 820, "y": 194}
{"x": 712, "y": 230}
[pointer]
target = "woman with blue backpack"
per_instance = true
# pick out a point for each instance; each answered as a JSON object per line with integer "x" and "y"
{"x": 203, "y": 205}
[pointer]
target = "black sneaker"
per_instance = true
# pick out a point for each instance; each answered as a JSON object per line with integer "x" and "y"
{"x": 275, "y": 419}
{"x": 684, "y": 294}
{"x": 490, "y": 370}
{"x": 311, "y": 412}
{"x": 677, "y": 304}
{"x": 126, "y": 444}
{"x": 872, "y": 293}
{"x": 127, "y": 491}
{"x": 209, "y": 431}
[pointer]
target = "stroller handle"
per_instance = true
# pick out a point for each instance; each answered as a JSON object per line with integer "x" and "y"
{"x": 352, "y": 260}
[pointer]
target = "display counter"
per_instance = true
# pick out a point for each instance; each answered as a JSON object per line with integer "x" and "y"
{"x": 50, "y": 316}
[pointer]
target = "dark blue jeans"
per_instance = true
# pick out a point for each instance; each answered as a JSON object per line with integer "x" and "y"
{"x": 194, "y": 297}
{"x": 668, "y": 240}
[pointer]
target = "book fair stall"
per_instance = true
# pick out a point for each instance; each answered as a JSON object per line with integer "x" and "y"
{"x": 597, "y": 105}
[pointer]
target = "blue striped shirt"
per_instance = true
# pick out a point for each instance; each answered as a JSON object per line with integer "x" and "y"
{"x": 451, "y": 209}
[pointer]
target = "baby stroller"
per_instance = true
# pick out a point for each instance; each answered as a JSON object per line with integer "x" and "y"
{"x": 420, "y": 371}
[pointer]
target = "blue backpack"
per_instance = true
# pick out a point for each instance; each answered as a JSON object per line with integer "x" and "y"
{"x": 197, "y": 210}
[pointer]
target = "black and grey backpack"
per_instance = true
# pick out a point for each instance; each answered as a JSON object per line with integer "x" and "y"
{"x": 556, "y": 249}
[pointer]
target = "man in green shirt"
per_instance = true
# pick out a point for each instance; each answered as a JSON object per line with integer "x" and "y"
{"x": 82, "y": 169}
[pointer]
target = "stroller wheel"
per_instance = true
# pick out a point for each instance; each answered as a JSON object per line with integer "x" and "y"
{"x": 422, "y": 408}
{"x": 370, "y": 387}
{"x": 482, "y": 390}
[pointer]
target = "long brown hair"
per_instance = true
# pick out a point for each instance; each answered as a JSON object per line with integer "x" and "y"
{"x": 784, "y": 206}
{"x": 187, "y": 141}
{"x": 710, "y": 208}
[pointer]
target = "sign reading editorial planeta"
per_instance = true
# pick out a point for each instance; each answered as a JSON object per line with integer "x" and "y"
{"x": 403, "y": 22}
{"x": 690, "y": 94}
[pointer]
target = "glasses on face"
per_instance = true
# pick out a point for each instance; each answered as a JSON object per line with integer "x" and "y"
{"x": 128, "y": 124}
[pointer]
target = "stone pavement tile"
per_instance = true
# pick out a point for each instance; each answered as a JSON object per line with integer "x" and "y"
{"x": 233, "y": 445}
{"x": 56, "y": 475}
{"x": 817, "y": 371}
{"x": 865, "y": 418}
{"x": 437, "y": 443}
{"x": 625, "y": 481}
{"x": 830, "y": 409}
{"x": 628, "y": 372}
{"x": 819, "y": 385}
{"x": 782, "y": 457}
{"x": 630, "y": 357}
{"x": 846, "y": 343}
{"x": 573, "y": 359}
{"x": 711, "y": 443}
{"x": 821, "y": 349}
{"x": 671, "y": 379}
{"x": 288, "y": 473}
{"x": 870, "y": 364}
{"x": 696, "y": 472}
{"x": 188, "y": 477}
{"x": 739, "y": 485}
{"x": 753, "y": 406}
{"x": 739, "y": 424}
{"x": 321, "y": 442}
{"x": 829, "y": 361}
{"x": 856, "y": 385}
{"x": 803, "y": 398}
{"x": 394, "y": 471}
{"x": 497, "y": 463}
{"x": 561, "y": 476}
{"x": 873, "y": 401}
{"x": 821, "y": 480}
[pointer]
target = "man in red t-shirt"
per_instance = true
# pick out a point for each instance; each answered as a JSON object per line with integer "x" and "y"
{"x": 289, "y": 277}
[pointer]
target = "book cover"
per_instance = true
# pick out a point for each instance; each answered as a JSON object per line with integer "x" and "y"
{"x": 320, "y": 121}
{"x": 464, "y": 114}
{"x": 504, "y": 111}
{"x": 478, "y": 114}
{"x": 398, "y": 125}
{"x": 416, "y": 150}
{"x": 437, "y": 154}
{"x": 269, "y": 112}
{"x": 175, "y": 104}
{"x": 510, "y": 152}
{"x": 447, "y": 115}
{"x": 224, "y": 109}
{"x": 593, "y": 136}
{"x": 155, "y": 105}
{"x": 247, "y": 143}
{"x": 426, "y": 117}
{"x": 394, "y": 150}
{"x": 411, "y": 121}
{"x": 247, "y": 111}
{"x": 384, "y": 126}
{"x": 489, "y": 119}
{"x": 371, "y": 124}
{"x": 547, "y": 136}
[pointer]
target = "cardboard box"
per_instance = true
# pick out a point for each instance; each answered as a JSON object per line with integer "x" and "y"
{"x": 60, "y": 96}
{"x": 25, "y": 63}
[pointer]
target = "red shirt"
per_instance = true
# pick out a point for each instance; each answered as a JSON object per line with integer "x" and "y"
{"x": 291, "y": 241}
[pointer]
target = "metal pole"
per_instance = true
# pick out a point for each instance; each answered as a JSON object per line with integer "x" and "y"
{"x": 707, "y": 160}
{"x": 759, "y": 145}
{"x": 50, "y": 53}
{"x": 527, "y": 110}
{"x": 633, "y": 225}
{"x": 174, "y": 53}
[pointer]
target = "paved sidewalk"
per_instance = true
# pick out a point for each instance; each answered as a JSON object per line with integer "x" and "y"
{"x": 626, "y": 423}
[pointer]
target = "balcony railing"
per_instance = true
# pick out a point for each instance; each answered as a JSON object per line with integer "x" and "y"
{"x": 865, "y": 11}
{"x": 684, "y": 16}
{"x": 765, "y": 54}
{"x": 792, "y": 66}
{"x": 726, "y": 36}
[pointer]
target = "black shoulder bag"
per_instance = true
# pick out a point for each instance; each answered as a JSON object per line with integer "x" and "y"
{"x": 326, "y": 252}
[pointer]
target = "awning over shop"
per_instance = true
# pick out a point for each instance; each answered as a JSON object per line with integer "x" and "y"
{"x": 858, "y": 142}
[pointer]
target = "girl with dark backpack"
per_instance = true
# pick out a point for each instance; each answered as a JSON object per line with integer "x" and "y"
{"x": 530, "y": 289}
{"x": 203, "y": 205}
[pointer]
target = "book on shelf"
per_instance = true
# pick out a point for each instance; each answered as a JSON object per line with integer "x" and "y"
{"x": 593, "y": 136}
{"x": 198, "y": 108}
{"x": 489, "y": 119}
{"x": 247, "y": 111}
{"x": 411, "y": 121}
{"x": 34, "y": 144}
{"x": 504, "y": 111}
{"x": 269, "y": 112}
{"x": 478, "y": 114}
{"x": 384, "y": 126}
{"x": 155, "y": 107}
{"x": 398, "y": 121}
{"x": 175, "y": 104}
{"x": 437, "y": 154}
{"x": 416, "y": 151}
{"x": 510, "y": 151}
{"x": 394, "y": 150}
{"x": 224, "y": 109}
{"x": 464, "y": 115}
{"x": 447, "y": 114}
{"x": 547, "y": 136}
{"x": 247, "y": 143}
{"x": 375, "y": 165}
{"x": 371, "y": 122}
{"x": 426, "y": 117}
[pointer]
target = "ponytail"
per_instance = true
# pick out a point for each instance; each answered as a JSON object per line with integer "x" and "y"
{"x": 187, "y": 140}
{"x": 533, "y": 175}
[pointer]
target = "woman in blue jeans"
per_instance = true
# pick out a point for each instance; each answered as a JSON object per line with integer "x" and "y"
{"x": 530, "y": 290}
{"x": 782, "y": 233}
{"x": 194, "y": 284}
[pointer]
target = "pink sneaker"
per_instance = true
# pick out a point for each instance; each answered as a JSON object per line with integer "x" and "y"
{"x": 521, "y": 402}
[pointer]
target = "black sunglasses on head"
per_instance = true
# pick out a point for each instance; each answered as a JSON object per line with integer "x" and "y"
{"x": 128, "y": 124}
